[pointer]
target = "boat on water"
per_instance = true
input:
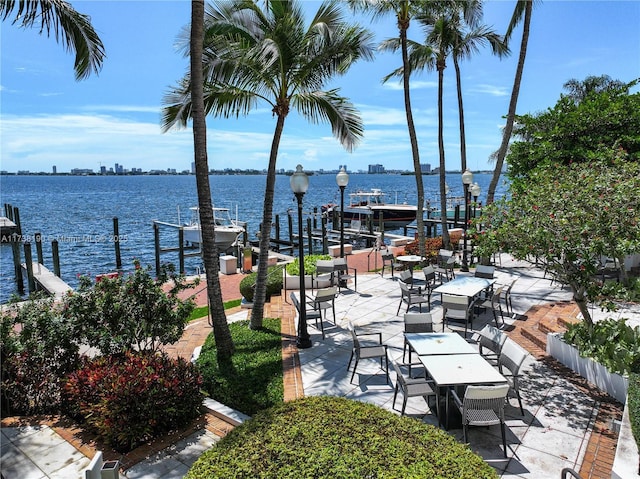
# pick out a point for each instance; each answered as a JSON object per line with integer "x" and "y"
{"x": 370, "y": 204}
{"x": 227, "y": 230}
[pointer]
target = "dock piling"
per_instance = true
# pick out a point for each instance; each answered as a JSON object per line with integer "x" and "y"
{"x": 116, "y": 243}
{"x": 56, "y": 257}
{"x": 15, "y": 249}
{"x": 28, "y": 259}
{"x": 38, "y": 238}
{"x": 181, "y": 249}
{"x": 156, "y": 241}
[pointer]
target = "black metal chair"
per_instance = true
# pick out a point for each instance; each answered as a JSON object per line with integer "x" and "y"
{"x": 367, "y": 351}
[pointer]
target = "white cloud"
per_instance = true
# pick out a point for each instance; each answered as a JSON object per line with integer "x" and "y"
{"x": 413, "y": 85}
{"x": 493, "y": 90}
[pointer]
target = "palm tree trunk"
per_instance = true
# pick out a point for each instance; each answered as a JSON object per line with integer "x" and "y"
{"x": 463, "y": 141}
{"x": 260, "y": 295}
{"x": 414, "y": 143}
{"x": 511, "y": 115}
{"x": 443, "y": 176}
{"x": 222, "y": 334}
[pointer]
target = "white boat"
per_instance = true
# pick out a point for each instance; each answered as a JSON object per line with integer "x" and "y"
{"x": 364, "y": 204}
{"x": 227, "y": 230}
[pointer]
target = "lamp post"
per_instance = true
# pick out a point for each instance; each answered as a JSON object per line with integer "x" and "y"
{"x": 299, "y": 184}
{"x": 342, "y": 179}
{"x": 467, "y": 178}
{"x": 475, "y": 192}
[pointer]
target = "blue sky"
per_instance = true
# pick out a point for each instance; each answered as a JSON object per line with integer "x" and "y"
{"x": 47, "y": 118}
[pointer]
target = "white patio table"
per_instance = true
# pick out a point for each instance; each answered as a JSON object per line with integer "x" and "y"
{"x": 468, "y": 286}
{"x": 411, "y": 260}
{"x": 439, "y": 343}
{"x": 450, "y": 370}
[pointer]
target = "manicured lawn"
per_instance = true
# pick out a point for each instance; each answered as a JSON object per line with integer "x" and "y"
{"x": 252, "y": 380}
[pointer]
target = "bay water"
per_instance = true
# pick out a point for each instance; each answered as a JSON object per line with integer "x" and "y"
{"x": 78, "y": 211}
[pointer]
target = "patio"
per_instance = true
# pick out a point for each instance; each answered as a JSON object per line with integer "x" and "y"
{"x": 559, "y": 413}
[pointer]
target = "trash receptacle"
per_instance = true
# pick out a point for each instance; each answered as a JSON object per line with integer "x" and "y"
{"x": 110, "y": 470}
{"x": 228, "y": 264}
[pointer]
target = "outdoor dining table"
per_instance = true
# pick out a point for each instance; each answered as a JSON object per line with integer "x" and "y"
{"x": 468, "y": 286}
{"x": 451, "y": 370}
{"x": 439, "y": 343}
{"x": 410, "y": 259}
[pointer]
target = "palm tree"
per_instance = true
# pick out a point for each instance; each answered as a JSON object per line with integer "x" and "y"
{"x": 73, "y": 29}
{"x": 403, "y": 10}
{"x": 253, "y": 55}
{"x": 221, "y": 332}
{"x": 468, "y": 42}
{"x": 523, "y": 8}
{"x": 579, "y": 90}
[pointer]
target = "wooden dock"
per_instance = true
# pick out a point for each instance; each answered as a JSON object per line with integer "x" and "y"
{"x": 47, "y": 281}
{"x": 7, "y": 229}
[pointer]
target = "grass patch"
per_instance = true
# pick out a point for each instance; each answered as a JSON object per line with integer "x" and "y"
{"x": 252, "y": 379}
{"x": 202, "y": 311}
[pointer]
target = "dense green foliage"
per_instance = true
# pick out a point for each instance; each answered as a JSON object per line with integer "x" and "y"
{"x": 612, "y": 343}
{"x": 576, "y": 129}
{"x": 568, "y": 219}
{"x": 326, "y": 437}
{"x": 38, "y": 347}
{"x": 633, "y": 403}
{"x": 131, "y": 398}
{"x": 293, "y": 268}
{"x": 274, "y": 283}
{"x": 133, "y": 311}
{"x": 252, "y": 379}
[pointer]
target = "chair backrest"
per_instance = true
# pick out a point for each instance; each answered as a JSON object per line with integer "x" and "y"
{"x": 405, "y": 289}
{"x": 406, "y": 276}
{"x": 429, "y": 273}
{"x": 454, "y": 306}
{"x": 340, "y": 264}
{"x": 485, "y": 271}
{"x": 510, "y": 287}
{"x": 326, "y": 294}
{"x": 497, "y": 294}
{"x": 486, "y": 393}
{"x": 399, "y": 376}
{"x": 512, "y": 356}
{"x": 491, "y": 338}
{"x": 295, "y": 302}
{"x": 387, "y": 257}
{"x": 418, "y": 323}
{"x": 324, "y": 266}
{"x": 445, "y": 253}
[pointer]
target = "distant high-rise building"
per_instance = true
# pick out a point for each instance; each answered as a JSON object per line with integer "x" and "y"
{"x": 55, "y": 169}
{"x": 425, "y": 167}
{"x": 193, "y": 167}
{"x": 376, "y": 169}
{"x": 103, "y": 170}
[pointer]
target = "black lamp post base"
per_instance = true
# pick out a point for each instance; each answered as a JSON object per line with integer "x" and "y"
{"x": 303, "y": 343}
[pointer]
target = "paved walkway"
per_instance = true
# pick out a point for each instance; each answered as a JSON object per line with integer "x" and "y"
{"x": 565, "y": 424}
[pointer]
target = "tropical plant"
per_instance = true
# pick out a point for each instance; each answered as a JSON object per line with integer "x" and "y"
{"x": 70, "y": 27}
{"x": 274, "y": 283}
{"x": 38, "y": 346}
{"x": 403, "y": 10}
{"x": 254, "y": 55}
{"x": 128, "y": 312}
{"x": 132, "y": 398}
{"x": 573, "y": 131}
{"x": 210, "y": 251}
{"x": 569, "y": 217}
{"x": 310, "y": 261}
{"x": 580, "y": 90}
{"x": 522, "y": 12}
{"x": 330, "y": 437}
{"x": 610, "y": 342}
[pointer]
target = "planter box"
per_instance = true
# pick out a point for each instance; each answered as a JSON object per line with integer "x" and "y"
{"x": 625, "y": 463}
{"x": 613, "y": 384}
{"x": 293, "y": 282}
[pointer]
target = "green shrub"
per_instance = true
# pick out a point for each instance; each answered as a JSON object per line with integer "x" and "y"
{"x": 325, "y": 437}
{"x": 612, "y": 343}
{"x": 37, "y": 347}
{"x": 274, "y": 283}
{"x": 293, "y": 268}
{"x": 633, "y": 403}
{"x": 252, "y": 380}
{"x": 131, "y": 398}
